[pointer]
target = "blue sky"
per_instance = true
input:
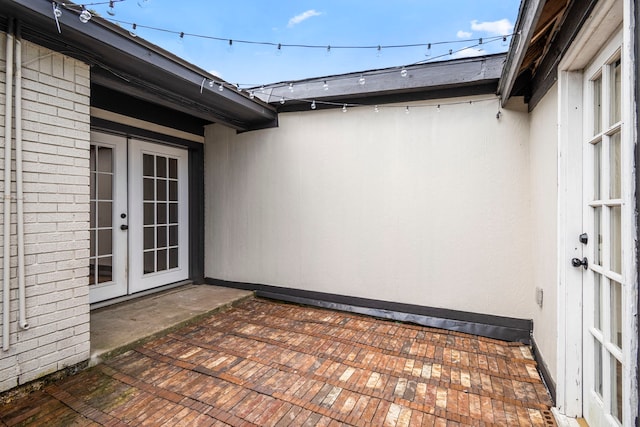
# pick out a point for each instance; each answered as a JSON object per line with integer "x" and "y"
{"x": 314, "y": 22}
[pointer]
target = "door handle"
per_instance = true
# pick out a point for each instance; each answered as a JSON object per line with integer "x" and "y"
{"x": 124, "y": 227}
{"x": 577, "y": 262}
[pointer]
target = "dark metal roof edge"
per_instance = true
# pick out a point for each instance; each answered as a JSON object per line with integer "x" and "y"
{"x": 528, "y": 16}
{"x": 459, "y": 73}
{"x": 117, "y": 40}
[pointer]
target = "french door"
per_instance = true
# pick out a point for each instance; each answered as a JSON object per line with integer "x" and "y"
{"x": 604, "y": 283}
{"x": 138, "y": 216}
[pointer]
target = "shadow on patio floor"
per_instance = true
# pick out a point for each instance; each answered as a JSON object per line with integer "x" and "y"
{"x": 266, "y": 363}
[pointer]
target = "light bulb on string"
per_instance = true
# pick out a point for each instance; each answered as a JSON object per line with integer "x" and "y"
{"x": 221, "y": 87}
{"x": 133, "y": 32}
{"x": 238, "y": 87}
{"x": 181, "y": 38}
{"x": 313, "y": 104}
{"x": 504, "y": 41}
{"x": 252, "y": 95}
{"x": 111, "y": 10}
{"x": 211, "y": 83}
{"x": 376, "y": 109}
{"x": 279, "y": 50}
{"x": 291, "y": 87}
{"x": 480, "y": 40}
{"x": 428, "y": 52}
{"x": 230, "y": 46}
{"x": 282, "y": 101}
{"x": 450, "y": 51}
{"x": 325, "y": 85}
{"x": 84, "y": 16}
{"x": 328, "y": 52}
{"x": 379, "y": 53}
{"x": 344, "y": 108}
{"x": 406, "y": 110}
{"x": 403, "y": 73}
{"x": 362, "y": 80}
{"x": 438, "y": 108}
{"x": 262, "y": 89}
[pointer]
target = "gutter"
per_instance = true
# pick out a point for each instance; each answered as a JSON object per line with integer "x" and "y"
{"x": 528, "y": 16}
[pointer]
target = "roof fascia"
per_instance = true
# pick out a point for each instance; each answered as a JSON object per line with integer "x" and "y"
{"x": 528, "y": 16}
{"x": 388, "y": 84}
{"x": 110, "y": 47}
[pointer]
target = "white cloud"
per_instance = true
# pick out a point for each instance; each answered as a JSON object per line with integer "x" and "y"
{"x": 303, "y": 16}
{"x": 463, "y": 34}
{"x": 468, "y": 53}
{"x": 501, "y": 27}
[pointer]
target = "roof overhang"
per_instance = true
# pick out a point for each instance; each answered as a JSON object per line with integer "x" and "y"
{"x": 459, "y": 77}
{"x": 134, "y": 66}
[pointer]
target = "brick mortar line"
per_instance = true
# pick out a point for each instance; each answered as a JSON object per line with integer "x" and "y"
{"x": 442, "y": 332}
{"x": 82, "y": 408}
{"x": 302, "y": 349}
{"x": 173, "y": 397}
{"x": 366, "y": 391}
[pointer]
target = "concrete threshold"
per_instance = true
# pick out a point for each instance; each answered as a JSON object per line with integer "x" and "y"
{"x": 116, "y": 328}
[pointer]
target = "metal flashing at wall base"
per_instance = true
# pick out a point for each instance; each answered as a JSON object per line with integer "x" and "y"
{"x": 497, "y": 327}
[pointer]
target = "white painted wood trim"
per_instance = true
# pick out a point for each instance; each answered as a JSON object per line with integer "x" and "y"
{"x": 142, "y": 124}
{"x": 629, "y": 230}
{"x": 570, "y": 113}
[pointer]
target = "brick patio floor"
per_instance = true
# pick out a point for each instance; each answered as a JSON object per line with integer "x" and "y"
{"x": 270, "y": 364}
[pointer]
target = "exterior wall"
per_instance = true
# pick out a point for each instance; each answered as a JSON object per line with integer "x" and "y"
{"x": 56, "y": 205}
{"x": 543, "y": 139}
{"x": 429, "y": 208}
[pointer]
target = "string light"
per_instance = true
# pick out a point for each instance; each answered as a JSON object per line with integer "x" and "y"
{"x": 403, "y": 73}
{"x": 252, "y": 95}
{"x": 325, "y": 85}
{"x": 327, "y": 48}
{"x": 438, "y": 108}
{"x": 361, "y": 80}
{"x": 133, "y": 32}
{"x": 221, "y": 87}
{"x": 406, "y": 110}
{"x": 313, "y": 105}
{"x": 282, "y": 101}
{"x": 344, "y": 108}
{"x": 111, "y": 11}
{"x": 291, "y": 87}
{"x": 84, "y": 16}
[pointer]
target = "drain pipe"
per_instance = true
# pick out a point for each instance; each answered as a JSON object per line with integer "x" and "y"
{"x": 22, "y": 296}
{"x": 6, "y": 281}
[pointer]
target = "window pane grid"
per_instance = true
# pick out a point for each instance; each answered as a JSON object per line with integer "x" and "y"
{"x": 160, "y": 213}
{"x": 101, "y": 215}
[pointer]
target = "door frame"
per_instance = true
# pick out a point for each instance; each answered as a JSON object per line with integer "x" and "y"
{"x": 606, "y": 18}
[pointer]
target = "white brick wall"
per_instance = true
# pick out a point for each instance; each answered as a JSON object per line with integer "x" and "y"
{"x": 56, "y": 187}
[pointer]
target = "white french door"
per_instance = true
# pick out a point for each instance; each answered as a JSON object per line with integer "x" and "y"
{"x": 604, "y": 283}
{"x": 158, "y": 202}
{"x": 138, "y": 216}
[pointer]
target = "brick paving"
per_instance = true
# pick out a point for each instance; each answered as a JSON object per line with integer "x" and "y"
{"x": 264, "y": 363}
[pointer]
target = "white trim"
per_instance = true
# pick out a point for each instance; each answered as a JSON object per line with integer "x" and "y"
{"x": 629, "y": 230}
{"x": 569, "y": 384}
{"x": 142, "y": 124}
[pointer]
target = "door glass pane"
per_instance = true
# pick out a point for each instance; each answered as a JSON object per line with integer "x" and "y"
{"x": 597, "y": 366}
{"x": 615, "y": 175}
{"x": 105, "y": 269}
{"x": 597, "y": 105}
{"x": 616, "y": 102}
{"x": 105, "y": 159}
{"x": 147, "y": 165}
{"x": 597, "y": 234}
{"x": 597, "y": 156}
{"x": 105, "y": 214}
{"x": 100, "y": 214}
{"x": 161, "y": 166}
{"x": 597, "y": 305}
{"x": 616, "y": 313}
{"x": 161, "y": 251}
{"x": 616, "y": 239}
{"x": 616, "y": 389}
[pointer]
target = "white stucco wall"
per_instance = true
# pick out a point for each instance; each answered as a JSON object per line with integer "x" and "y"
{"x": 56, "y": 206}
{"x": 544, "y": 209}
{"x": 429, "y": 208}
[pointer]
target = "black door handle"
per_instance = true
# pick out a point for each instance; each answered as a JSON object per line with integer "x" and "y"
{"x": 124, "y": 227}
{"x": 577, "y": 262}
